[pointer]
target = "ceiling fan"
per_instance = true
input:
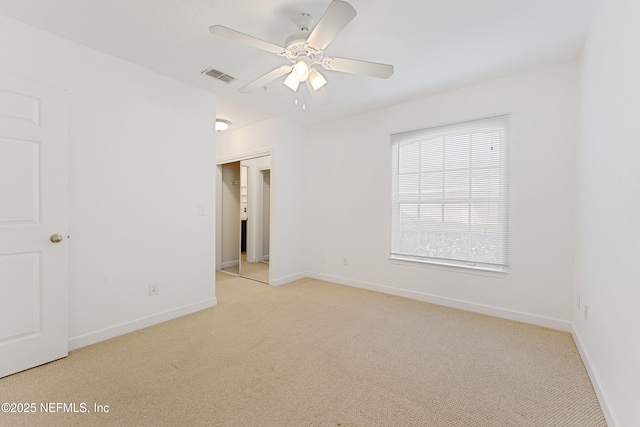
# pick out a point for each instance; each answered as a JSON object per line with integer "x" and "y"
{"x": 304, "y": 55}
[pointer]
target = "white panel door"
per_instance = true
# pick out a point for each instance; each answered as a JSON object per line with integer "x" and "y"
{"x": 33, "y": 208}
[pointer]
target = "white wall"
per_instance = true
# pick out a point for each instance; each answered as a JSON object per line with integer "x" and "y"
{"x": 250, "y": 141}
{"x": 141, "y": 155}
{"x": 286, "y": 144}
{"x": 608, "y": 207}
{"x": 348, "y": 211}
{"x": 289, "y": 213}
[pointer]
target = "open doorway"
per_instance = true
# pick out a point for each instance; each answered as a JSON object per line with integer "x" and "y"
{"x": 243, "y": 209}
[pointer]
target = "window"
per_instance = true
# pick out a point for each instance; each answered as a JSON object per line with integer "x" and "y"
{"x": 450, "y": 194}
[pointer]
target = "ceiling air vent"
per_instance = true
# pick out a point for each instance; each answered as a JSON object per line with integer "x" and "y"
{"x": 219, "y": 75}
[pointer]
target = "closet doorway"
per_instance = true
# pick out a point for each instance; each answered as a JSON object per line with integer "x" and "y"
{"x": 243, "y": 217}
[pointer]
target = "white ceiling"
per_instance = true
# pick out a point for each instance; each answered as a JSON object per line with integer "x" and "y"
{"x": 434, "y": 45}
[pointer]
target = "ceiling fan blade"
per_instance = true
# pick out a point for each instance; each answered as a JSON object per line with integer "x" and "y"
{"x": 335, "y": 18}
{"x": 266, "y": 79}
{"x": 354, "y": 66}
{"x": 228, "y": 33}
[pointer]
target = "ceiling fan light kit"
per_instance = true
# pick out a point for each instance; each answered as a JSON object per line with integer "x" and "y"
{"x": 301, "y": 70}
{"x": 304, "y": 55}
{"x": 291, "y": 82}
{"x": 317, "y": 80}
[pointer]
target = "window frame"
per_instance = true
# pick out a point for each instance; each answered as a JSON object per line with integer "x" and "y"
{"x": 501, "y": 234}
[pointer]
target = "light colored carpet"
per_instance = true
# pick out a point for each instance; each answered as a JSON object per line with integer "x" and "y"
{"x": 313, "y": 353}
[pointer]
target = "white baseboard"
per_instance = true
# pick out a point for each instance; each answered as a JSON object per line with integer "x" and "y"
{"x": 125, "y": 328}
{"x": 605, "y": 404}
{"x": 228, "y": 264}
{"x": 288, "y": 279}
{"x": 534, "y": 319}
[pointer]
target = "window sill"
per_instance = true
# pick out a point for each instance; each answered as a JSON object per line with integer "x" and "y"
{"x": 450, "y": 266}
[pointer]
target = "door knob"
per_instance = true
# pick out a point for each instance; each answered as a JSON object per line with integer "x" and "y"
{"x": 56, "y": 238}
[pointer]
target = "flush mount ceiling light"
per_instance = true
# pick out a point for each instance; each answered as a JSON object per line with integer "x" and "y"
{"x": 222, "y": 125}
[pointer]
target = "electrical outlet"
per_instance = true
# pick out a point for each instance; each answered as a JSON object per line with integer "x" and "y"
{"x": 345, "y": 261}
{"x": 586, "y": 312}
{"x": 153, "y": 289}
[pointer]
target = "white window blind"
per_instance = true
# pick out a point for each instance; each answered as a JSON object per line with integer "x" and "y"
{"x": 450, "y": 194}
